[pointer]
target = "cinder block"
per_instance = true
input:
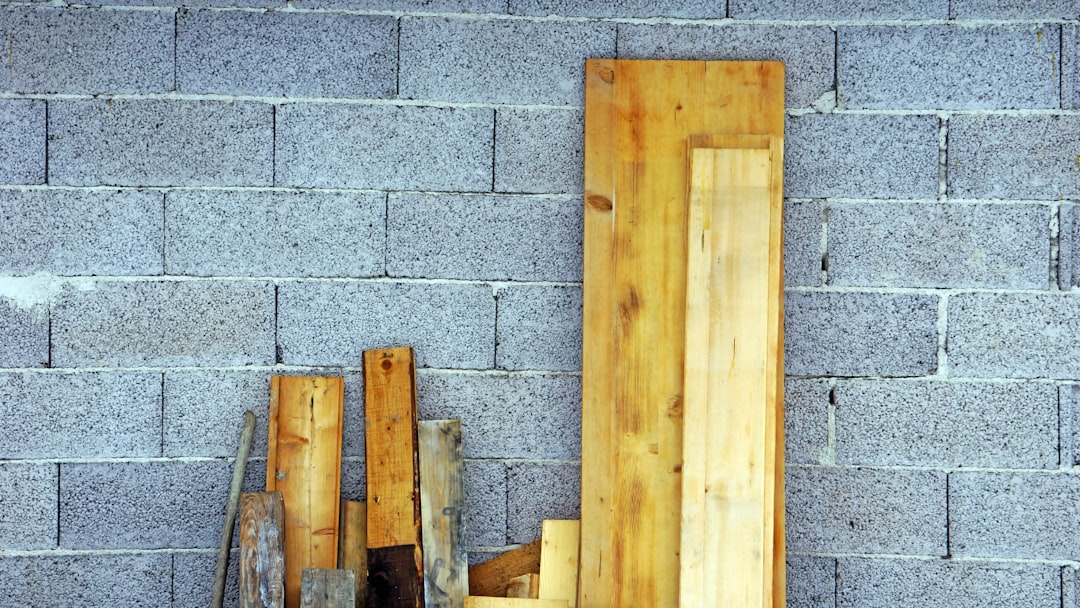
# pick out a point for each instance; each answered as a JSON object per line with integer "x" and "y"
{"x": 860, "y": 155}
{"x": 828, "y": 9}
{"x": 948, "y": 67}
{"x": 450, "y": 325}
{"x": 539, "y": 328}
{"x": 1069, "y": 408}
{"x": 536, "y": 492}
{"x": 539, "y": 150}
{"x": 1070, "y": 65}
{"x": 1007, "y": 9}
{"x": 286, "y": 54}
{"x": 811, "y": 582}
{"x": 25, "y": 339}
{"x": 353, "y": 480}
{"x": 427, "y": 6}
{"x": 969, "y": 424}
{"x": 204, "y": 410}
{"x": 1024, "y": 157}
{"x": 245, "y": 233}
{"x": 1068, "y": 247}
{"x": 859, "y": 334}
{"x": 807, "y": 52}
{"x": 485, "y": 503}
{"x": 138, "y": 142}
{"x": 193, "y": 579}
{"x": 131, "y": 580}
{"x": 80, "y": 415}
{"x": 60, "y": 50}
{"x": 384, "y": 147}
{"x": 1014, "y": 335}
{"x": 939, "y": 245}
{"x": 143, "y": 505}
{"x": 848, "y": 510}
{"x": 803, "y": 226}
{"x": 946, "y": 583}
{"x": 1014, "y": 515}
{"x": 22, "y": 141}
{"x": 28, "y": 513}
{"x": 73, "y": 232}
{"x": 507, "y": 415}
{"x": 692, "y": 9}
{"x": 499, "y": 61}
{"x": 192, "y": 4}
{"x": 484, "y": 237}
{"x": 806, "y": 420}
{"x": 165, "y": 323}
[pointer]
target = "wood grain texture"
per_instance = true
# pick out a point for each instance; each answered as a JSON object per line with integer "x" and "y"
{"x": 490, "y": 578}
{"x": 231, "y": 507}
{"x": 631, "y": 483}
{"x": 442, "y": 508}
{"x": 473, "y": 601}
{"x": 559, "y": 560}
{"x": 526, "y": 586}
{"x": 327, "y": 588}
{"x": 261, "y": 529}
{"x": 395, "y": 559}
{"x": 729, "y": 436}
{"x": 352, "y": 545}
{"x": 304, "y": 464}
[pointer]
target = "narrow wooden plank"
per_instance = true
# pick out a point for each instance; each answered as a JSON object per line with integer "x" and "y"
{"x": 442, "y": 508}
{"x": 560, "y": 540}
{"x": 306, "y": 469}
{"x": 490, "y": 578}
{"x": 477, "y": 601}
{"x": 776, "y": 381}
{"x": 352, "y": 545}
{"x": 526, "y": 586}
{"x": 262, "y": 550}
{"x": 395, "y": 559}
{"x": 727, "y": 514}
{"x": 327, "y": 588}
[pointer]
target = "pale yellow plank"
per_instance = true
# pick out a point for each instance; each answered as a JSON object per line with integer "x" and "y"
{"x": 479, "y": 601}
{"x": 526, "y": 586}
{"x": 560, "y": 539}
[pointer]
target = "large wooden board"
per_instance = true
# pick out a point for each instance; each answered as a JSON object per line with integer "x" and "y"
{"x": 639, "y": 116}
{"x": 304, "y": 464}
{"x": 261, "y": 528}
{"x": 492, "y": 577}
{"x": 560, "y": 539}
{"x": 442, "y": 506}
{"x": 729, "y": 421}
{"x": 395, "y": 561}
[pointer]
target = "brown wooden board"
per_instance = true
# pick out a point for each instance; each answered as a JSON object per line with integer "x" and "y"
{"x": 526, "y": 586}
{"x": 304, "y": 464}
{"x": 262, "y": 550}
{"x": 352, "y": 545}
{"x": 639, "y": 116}
{"x": 395, "y": 558}
{"x": 491, "y": 577}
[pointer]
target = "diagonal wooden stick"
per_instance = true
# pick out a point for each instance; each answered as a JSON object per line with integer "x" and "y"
{"x": 230, "y": 509}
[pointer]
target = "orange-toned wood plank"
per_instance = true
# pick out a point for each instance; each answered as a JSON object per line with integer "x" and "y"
{"x": 352, "y": 545}
{"x": 474, "y": 601}
{"x": 491, "y": 577}
{"x": 305, "y": 466}
{"x": 395, "y": 557}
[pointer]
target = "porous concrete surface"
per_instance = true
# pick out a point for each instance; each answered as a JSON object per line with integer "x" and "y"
{"x": 25, "y": 339}
{"x": 860, "y": 334}
{"x": 1006, "y": 9}
{"x": 1013, "y": 515}
{"x": 426, "y": 6}
{"x": 50, "y": 49}
{"x": 263, "y": 234}
{"x": 807, "y": 52}
{"x": 946, "y": 583}
{"x": 803, "y": 227}
{"x": 22, "y": 141}
{"x": 947, "y": 245}
{"x": 1070, "y": 66}
{"x": 1068, "y": 247}
{"x": 29, "y": 491}
{"x": 80, "y": 415}
{"x": 536, "y": 492}
{"x": 970, "y": 424}
{"x": 193, "y": 579}
{"x": 1069, "y": 410}
{"x": 75, "y": 232}
{"x": 811, "y": 581}
{"x": 1020, "y": 335}
{"x": 170, "y": 323}
{"x": 806, "y": 421}
{"x": 523, "y": 166}
{"x": 135, "y": 580}
{"x": 863, "y": 510}
{"x": 150, "y": 142}
{"x": 827, "y": 9}
{"x": 949, "y": 67}
{"x": 485, "y": 503}
{"x": 314, "y": 54}
{"x": 684, "y": 9}
{"x": 539, "y": 327}
{"x": 494, "y": 238}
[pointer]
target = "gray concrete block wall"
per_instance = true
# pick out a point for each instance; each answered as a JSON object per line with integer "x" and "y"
{"x": 195, "y": 196}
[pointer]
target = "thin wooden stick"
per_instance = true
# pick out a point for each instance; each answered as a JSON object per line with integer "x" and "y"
{"x": 230, "y": 510}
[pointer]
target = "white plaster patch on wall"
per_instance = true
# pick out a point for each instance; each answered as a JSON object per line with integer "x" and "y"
{"x": 38, "y": 291}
